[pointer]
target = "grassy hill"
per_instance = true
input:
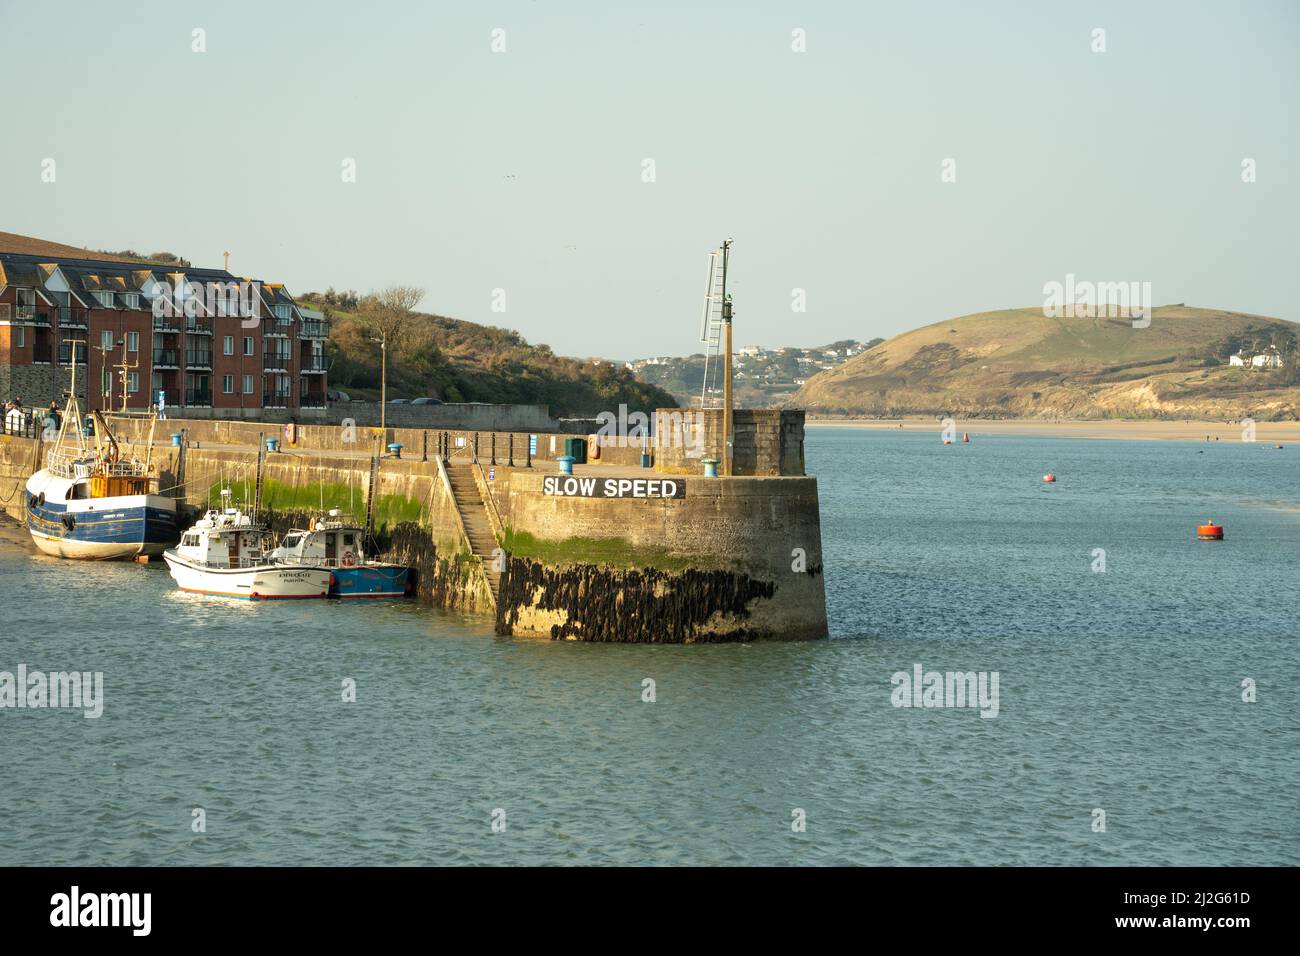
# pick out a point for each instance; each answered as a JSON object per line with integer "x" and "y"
{"x": 460, "y": 361}
{"x": 1018, "y": 363}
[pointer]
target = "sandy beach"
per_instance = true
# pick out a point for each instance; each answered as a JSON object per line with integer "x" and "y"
{"x": 1265, "y": 432}
{"x": 13, "y": 536}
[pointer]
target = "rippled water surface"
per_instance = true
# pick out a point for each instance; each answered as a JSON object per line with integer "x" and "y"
{"x": 1118, "y": 690}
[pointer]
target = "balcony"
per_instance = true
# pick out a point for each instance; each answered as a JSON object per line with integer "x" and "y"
{"x": 171, "y": 396}
{"x": 65, "y": 355}
{"x": 313, "y": 363}
{"x": 273, "y": 361}
{"x": 197, "y": 326}
{"x": 198, "y": 396}
{"x": 28, "y": 315}
{"x": 40, "y": 355}
{"x": 166, "y": 358}
{"x": 70, "y": 318}
{"x": 198, "y": 358}
{"x": 276, "y": 399}
{"x": 314, "y": 330}
{"x": 279, "y": 327}
{"x": 166, "y": 323}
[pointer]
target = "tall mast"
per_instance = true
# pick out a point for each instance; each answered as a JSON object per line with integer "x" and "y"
{"x": 726, "y": 366}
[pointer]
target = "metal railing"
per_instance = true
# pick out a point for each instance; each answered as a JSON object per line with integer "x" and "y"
{"x": 276, "y": 399}
{"x": 198, "y": 396}
{"x": 314, "y": 330}
{"x": 198, "y": 359}
{"x": 276, "y": 360}
{"x": 166, "y": 357}
{"x": 197, "y": 326}
{"x": 314, "y": 363}
{"x": 21, "y": 423}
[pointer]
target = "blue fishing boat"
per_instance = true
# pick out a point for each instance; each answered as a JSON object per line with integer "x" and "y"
{"x": 95, "y": 500}
{"x": 337, "y": 543}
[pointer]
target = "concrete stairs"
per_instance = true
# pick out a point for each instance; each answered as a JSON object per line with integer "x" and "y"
{"x": 478, "y": 527}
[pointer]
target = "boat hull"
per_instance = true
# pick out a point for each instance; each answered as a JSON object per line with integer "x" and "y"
{"x": 260, "y": 583}
{"x": 370, "y": 581}
{"x": 98, "y": 529}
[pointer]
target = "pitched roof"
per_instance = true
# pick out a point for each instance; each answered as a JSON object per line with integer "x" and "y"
{"x": 29, "y": 246}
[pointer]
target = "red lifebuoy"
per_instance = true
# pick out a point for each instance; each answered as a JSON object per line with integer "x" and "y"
{"x": 348, "y": 559}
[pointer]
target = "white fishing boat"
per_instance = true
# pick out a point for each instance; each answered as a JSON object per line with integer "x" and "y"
{"x": 227, "y": 554}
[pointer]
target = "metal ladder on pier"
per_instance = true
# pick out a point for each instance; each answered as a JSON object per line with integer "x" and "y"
{"x": 711, "y": 332}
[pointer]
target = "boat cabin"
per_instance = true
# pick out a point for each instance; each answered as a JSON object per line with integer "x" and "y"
{"x": 225, "y": 539}
{"x": 328, "y": 542}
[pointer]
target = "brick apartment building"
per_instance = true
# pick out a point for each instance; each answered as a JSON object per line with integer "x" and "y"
{"x": 197, "y": 339}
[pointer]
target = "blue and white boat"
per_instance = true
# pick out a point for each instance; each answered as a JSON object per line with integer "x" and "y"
{"x": 337, "y": 544}
{"x": 93, "y": 501}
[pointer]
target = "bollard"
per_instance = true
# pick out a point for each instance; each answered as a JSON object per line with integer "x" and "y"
{"x": 176, "y": 439}
{"x": 424, "y": 446}
{"x": 494, "y": 448}
{"x": 566, "y": 464}
{"x": 273, "y": 444}
{"x": 710, "y": 468}
{"x": 510, "y": 438}
{"x": 395, "y": 449}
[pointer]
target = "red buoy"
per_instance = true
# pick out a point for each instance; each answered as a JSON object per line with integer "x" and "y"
{"x": 965, "y": 436}
{"x": 1049, "y": 477}
{"x": 1210, "y": 531}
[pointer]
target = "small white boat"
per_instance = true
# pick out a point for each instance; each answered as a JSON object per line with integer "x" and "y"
{"x": 227, "y": 554}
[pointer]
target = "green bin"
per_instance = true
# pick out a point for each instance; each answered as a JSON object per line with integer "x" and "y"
{"x": 577, "y": 449}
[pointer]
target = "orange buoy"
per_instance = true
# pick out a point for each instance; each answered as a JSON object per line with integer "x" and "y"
{"x": 1049, "y": 477}
{"x": 965, "y": 436}
{"x": 1210, "y": 531}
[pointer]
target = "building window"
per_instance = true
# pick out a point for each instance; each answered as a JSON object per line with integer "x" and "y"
{"x": 106, "y": 340}
{"x": 282, "y": 311}
{"x": 248, "y": 345}
{"x": 248, "y": 385}
{"x": 133, "y": 382}
{"x": 228, "y": 345}
{"x": 132, "y": 300}
{"x": 26, "y": 303}
{"x": 133, "y": 341}
{"x": 20, "y": 337}
{"x": 228, "y": 385}
{"x": 157, "y": 381}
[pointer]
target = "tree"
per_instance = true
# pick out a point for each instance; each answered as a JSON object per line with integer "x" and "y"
{"x": 386, "y": 314}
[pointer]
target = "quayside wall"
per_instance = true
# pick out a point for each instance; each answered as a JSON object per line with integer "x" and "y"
{"x": 731, "y": 559}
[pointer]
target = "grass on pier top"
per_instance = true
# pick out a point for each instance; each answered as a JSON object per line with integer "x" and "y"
{"x": 390, "y": 510}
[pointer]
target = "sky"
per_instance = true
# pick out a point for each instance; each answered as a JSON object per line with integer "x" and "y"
{"x": 571, "y": 182}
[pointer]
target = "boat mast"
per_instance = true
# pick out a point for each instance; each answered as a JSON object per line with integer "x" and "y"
{"x": 726, "y": 367}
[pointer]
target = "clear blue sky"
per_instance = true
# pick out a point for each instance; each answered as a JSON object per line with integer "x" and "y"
{"x": 523, "y": 170}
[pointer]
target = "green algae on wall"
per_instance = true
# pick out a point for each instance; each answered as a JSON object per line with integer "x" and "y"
{"x": 310, "y": 498}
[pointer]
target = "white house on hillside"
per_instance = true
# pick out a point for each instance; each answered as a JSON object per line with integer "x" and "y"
{"x": 1271, "y": 357}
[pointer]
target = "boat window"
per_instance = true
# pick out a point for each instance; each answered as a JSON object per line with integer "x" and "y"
{"x": 292, "y": 540}
{"x": 79, "y": 490}
{"x": 347, "y": 540}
